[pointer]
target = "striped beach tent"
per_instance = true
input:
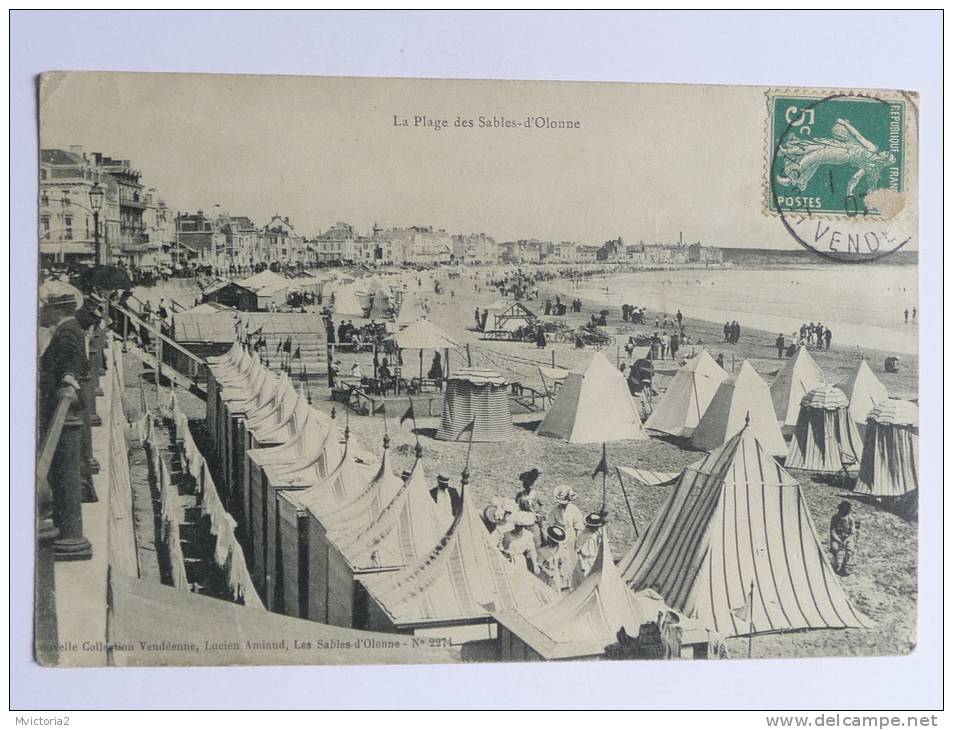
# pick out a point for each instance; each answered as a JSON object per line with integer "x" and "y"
{"x": 583, "y": 622}
{"x": 593, "y": 406}
{"x": 407, "y": 529}
{"x": 480, "y": 397}
{"x": 825, "y": 438}
{"x": 798, "y": 376}
{"x": 746, "y": 399}
{"x": 864, "y": 390}
{"x": 457, "y": 584}
{"x": 891, "y": 463}
{"x": 687, "y": 397}
{"x": 737, "y": 523}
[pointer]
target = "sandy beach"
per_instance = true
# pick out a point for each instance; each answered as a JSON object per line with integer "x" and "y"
{"x": 883, "y": 584}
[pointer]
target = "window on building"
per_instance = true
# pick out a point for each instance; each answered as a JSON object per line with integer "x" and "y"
{"x": 45, "y": 198}
{"x": 68, "y": 223}
{"x": 66, "y": 199}
{"x": 45, "y": 228}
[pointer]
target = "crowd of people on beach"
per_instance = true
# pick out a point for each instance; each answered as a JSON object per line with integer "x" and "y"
{"x": 559, "y": 544}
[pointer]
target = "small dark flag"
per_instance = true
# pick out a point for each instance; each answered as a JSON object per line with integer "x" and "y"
{"x": 409, "y": 413}
{"x": 287, "y": 346}
{"x": 603, "y": 466}
{"x": 278, "y": 349}
{"x": 468, "y": 427}
{"x": 258, "y": 331}
{"x": 297, "y": 353}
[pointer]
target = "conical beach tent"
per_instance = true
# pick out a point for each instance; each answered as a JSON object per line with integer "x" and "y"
{"x": 458, "y": 583}
{"x": 798, "y": 376}
{"x": 477, "y": 397}
{"x": 891, "y": 463}
{"x": 746, "y": 399}
{"x": 737, "y": 519}
{"x": 825, "y": 438}
{"x": 586, "y": 620}
{"x": 593, "y": 405}
{"x": 864, "y": 391}
{"x": 346, "y": 302}
{"x": 687, "y": 397}
{"x": 410, "y": 310}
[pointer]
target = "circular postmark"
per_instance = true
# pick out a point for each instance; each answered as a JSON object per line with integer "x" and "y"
{"x": 839, "y": 174}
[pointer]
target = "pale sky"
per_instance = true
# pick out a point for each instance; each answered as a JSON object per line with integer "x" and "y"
{"x": 648, "y": 161}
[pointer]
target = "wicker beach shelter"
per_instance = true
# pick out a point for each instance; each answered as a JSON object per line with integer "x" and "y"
{"x": 798, "y": 376}
{"x": 891, "y": 463}
{"x": 736, "y": 533}
{"x": 825, "y": 438}
{"x": 478, "y": 397}
{"x": 744, "y": 400}
{"x": 864, "y": 391}
{"x": 688, "y": 396}
{"x": 593, "y": 406}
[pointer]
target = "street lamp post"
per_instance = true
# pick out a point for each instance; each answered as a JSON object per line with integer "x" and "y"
{"x": 96, "y": 196}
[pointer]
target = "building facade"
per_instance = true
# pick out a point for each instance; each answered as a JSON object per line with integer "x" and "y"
{"x": 67, "y": 230}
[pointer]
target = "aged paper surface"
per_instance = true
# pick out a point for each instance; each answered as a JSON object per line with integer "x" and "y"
{"x": 354, "y": 371}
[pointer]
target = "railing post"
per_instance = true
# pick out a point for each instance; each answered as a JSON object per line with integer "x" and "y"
{"x": 66, "y": 482}
{"x": 88, "y": 419}
{"x": 44, "y": 590}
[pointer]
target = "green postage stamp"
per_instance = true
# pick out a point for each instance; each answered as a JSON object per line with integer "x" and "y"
{"x": 835, "y": 153}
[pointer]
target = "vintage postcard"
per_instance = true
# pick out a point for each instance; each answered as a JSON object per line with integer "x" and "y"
{"x": 363, "y": 371}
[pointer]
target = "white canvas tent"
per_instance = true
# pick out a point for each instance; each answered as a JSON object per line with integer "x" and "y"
{"x": 688, "y": 396}
{"x": 798, "y": 376}
{"x": 583, "y": 622}
{"x": 825, "y": 438}
{"x": 592, "y": 406}
{"x": 744, "y": 399}
{"x": 864, "y": 391}
{"x": 737, "y": 526}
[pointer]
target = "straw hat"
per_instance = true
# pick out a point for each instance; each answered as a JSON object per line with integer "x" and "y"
{"x": 524, "y": 519}
{"x": 595, "y": 519}
{"x": 564, "y": 494}
{"x": 556, "y": 533}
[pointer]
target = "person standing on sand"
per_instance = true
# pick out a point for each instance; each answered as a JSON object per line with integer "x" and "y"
{"x": 727, "y": 330}
{"x": 843, "y": 538}
{"x": 779, "y": 343}
{"x": 906, "y": 316}
{"x": 914, "y": 314}
{"x": 678, "y": 318}
{"x": 827, "y": 338}
{"x": 476, "y": 317}
{"x": 673, "y": 344}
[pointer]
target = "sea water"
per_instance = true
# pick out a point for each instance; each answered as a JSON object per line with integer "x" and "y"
{"x": 863, "y": 305}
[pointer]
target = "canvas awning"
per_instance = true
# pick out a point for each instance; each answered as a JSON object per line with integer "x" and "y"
{"x": 423, "y": 335}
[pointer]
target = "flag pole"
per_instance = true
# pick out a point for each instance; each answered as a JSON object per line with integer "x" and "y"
{"x": 750, "y": 617}
{"x": 604, "y": 511}
{"x": 466, "y": 466}
{"x": 627, "y": 505}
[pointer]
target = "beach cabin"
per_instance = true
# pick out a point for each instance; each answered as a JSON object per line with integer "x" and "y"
{"x": 453, "y": 591}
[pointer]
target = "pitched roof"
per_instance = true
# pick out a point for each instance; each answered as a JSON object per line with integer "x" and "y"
{"x": 736, "y": 519}
{"x": 746, "y": 399}
{"x": 798, "y": 375}
{"x": 688, "y": 396}
{"x": 405, "y": 530}
{"x": 586, "y": 620}
{"x": 463, "y": 578}
{"x": 593, "y": 405}
{"x": 864, "y": 390}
